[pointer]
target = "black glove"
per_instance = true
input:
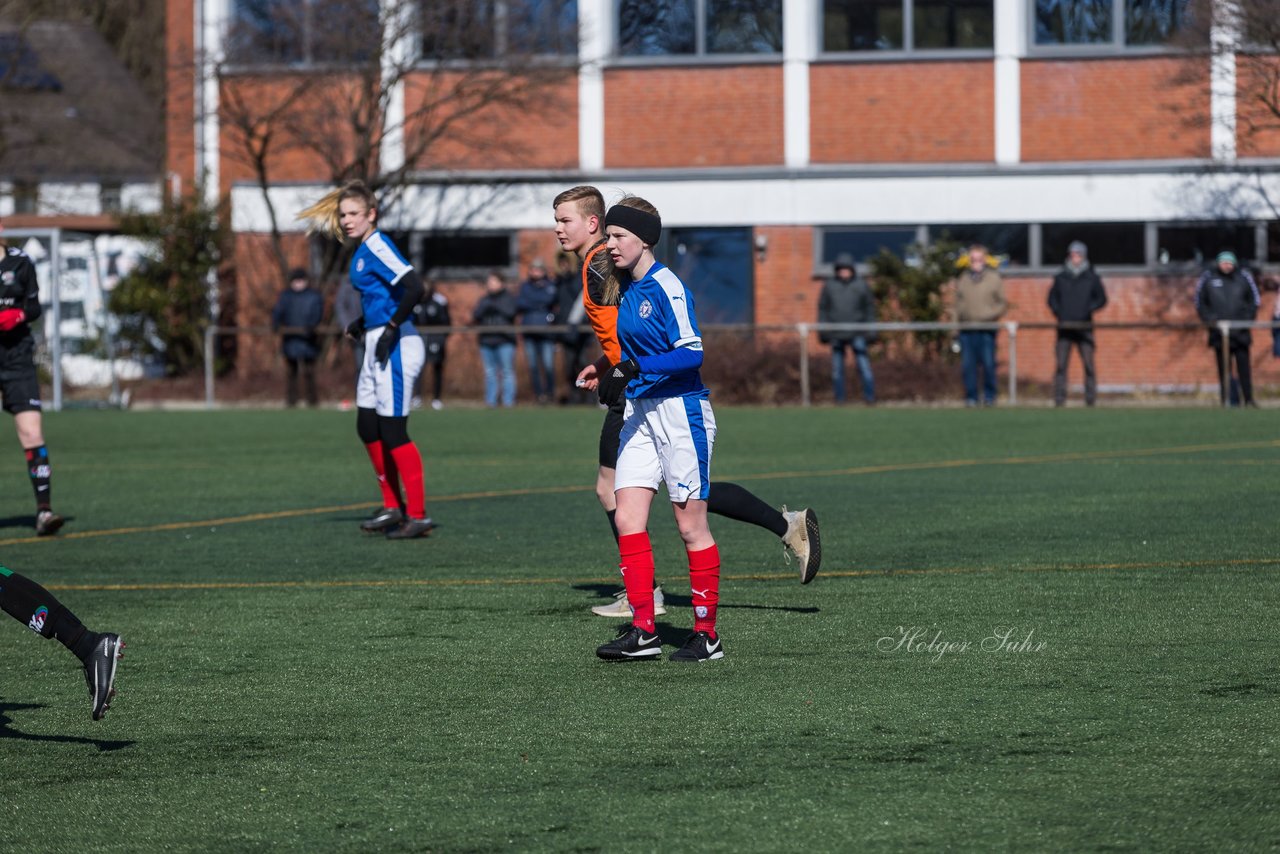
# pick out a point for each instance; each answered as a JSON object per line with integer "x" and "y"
{"x": 355, "y": 329}
{"x": 613, "y": 385}
{"x": 386, "y": 342}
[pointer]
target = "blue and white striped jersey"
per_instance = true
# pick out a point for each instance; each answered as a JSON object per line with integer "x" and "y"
{"x": 376, "y": 270}
{"x": 656, "y": 315}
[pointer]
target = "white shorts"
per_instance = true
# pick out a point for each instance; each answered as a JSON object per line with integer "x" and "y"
{"x": 667, "y": 439}
{"x": 388, "y": 387}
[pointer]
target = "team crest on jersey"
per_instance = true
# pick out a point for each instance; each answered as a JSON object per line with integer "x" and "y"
{"x": 646, "y": 309}
{"x": 360, "y": 266}
{"x": 7, "y": 277}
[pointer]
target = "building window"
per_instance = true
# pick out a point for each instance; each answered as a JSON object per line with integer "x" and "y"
{"x": 304, "y": 32}
{"x": 716, "y": 266}
{"x": 1009, "y": 240}
{"x": 894, "y": 25}
{"x": 1200, "y": 244}
{"x": 1109, "y": 243}
{"x": 26, "y": 198}
{"x": 1117, "y": 23}
{"x": 699, "y": 27}
{"x": 488, "y": 29}
{"x": 460, "y": 255}
{"x": 110, "y": 198}
{"x": 865, "y": 243}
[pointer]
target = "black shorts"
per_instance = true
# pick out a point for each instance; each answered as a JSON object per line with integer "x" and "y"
{"x": 19, "y": 384}
{"x": 611, "y": 434}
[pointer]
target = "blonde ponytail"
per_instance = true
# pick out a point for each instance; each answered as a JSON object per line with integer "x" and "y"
{"x": 323, "y": 217}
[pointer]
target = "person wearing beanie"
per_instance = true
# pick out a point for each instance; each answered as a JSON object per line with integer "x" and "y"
{"x": 979, "y": 298}
{"x": 1227, "y": 292}
{"x": 298, "y": 312}
{"x": 847, "y": 299}
{"x": 1077, "y": 292}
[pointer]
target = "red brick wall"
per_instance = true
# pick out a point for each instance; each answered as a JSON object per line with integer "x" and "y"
{"x": 526, "y": 123}
{"x": 179, "y": 114}
{"x": 934, "y": 112}
{"x": 1257, "y": 124}
{"x": 784, "y": 291}
{"x": 1145, "y": 108}
{"x": 690, "y": 117}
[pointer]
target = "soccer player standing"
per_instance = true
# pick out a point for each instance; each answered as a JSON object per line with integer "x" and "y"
{"x": 19, "y": 385}
{"x": 579, "y": 215}
{"x": 37, "y": 609}
{"x": 393, "y": 356}
{"x": 668, "y": 432}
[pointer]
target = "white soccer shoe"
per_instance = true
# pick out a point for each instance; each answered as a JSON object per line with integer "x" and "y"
{"x": 620, "y": 609}
{"x": 802, "y": 540}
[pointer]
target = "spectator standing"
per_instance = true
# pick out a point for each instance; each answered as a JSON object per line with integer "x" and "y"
{"x": 537, "y": 305}
{"x": 497, "y": 349}
{"x": 573, "y": 314}
{"x": 1226, "y": 292}
{"x": 1077, "y": 292}
{"x": 433, "y": 312}
{"x": 979, "y": 298}
{"x": 847, "y": 299}
{"x": 298, "y": 312}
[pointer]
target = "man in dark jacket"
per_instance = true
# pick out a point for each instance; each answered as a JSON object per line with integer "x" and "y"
{"x": 537, "y": 305}
{"x": 1227, "y": 292}
{"x": 497, "y": 349}
{"x": 1076, "y": 294}
{"x": 433, "y": 311}
{"x": 298, "y": 312}
{"x": 847, "y": 299}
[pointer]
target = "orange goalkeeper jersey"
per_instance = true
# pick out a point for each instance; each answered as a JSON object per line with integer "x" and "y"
{"x": 604, "y": 318}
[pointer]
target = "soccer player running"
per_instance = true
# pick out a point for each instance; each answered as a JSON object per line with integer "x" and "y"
{"x": 393, "y": 356}
{"x": 19, "y": 384}
{"x": 37, "y": 609}
{"x": 579, "y": 216}
{"x": 668, "y": 432}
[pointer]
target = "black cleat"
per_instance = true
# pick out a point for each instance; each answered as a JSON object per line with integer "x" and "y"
{"x": 699, "y": 647}
{"x": 632, "y": 644}
{"x": 384, "y": 520}
{"x": 48, "y": 523}
{"x": 100, "y": 673}
{"x": 412, "y": 528}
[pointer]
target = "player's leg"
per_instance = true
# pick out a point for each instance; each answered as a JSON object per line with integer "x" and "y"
{"x": 606, "y": 476}
{"x": 367, "y": 428}
{"x": 798, "y": 529}
{"x": 639, "y": 472}
{"x": 437, "y": 380}
{"x": 395, "y": 382}
{"x": 28, "y": 422}
{"x": 38, "y": 609}
{"x": 690, "y": 427}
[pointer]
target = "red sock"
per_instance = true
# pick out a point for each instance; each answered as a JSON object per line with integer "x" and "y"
{"x": 637, "y": 575}
{"x": 390, "y": 496}
{"x": 704, "y": 582}
{"x": 409, "y": 462}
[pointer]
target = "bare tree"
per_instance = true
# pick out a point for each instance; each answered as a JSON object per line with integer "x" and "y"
{"x": 330, "y": 84}
{"x": 1242, "y": 36}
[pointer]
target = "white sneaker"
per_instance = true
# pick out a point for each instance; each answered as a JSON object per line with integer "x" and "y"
{"x": 437, "y": 405}
{"x": 619, "y": 608}
{"x": 802, "y": 540}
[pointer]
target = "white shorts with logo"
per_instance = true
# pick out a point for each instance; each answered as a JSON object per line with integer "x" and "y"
{"x": 388, "y": 387}
{"x": 667, "y": 440}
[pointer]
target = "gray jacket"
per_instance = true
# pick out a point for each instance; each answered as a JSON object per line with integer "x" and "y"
{"x": 846, "y": 302}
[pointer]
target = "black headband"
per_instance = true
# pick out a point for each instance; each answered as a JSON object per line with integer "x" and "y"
{"x": 646, "y": 226}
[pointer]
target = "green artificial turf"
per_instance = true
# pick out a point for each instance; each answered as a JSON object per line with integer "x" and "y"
{"x": 291, "y": 684}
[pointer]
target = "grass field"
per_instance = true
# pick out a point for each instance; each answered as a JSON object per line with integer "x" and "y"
{"x": 291, "y": 684}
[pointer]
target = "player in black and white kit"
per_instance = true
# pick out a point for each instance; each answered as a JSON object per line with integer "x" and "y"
{"x": 19, "y": 385}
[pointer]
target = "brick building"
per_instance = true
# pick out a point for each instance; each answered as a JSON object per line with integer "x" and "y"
{"x": 772, "y": 135}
